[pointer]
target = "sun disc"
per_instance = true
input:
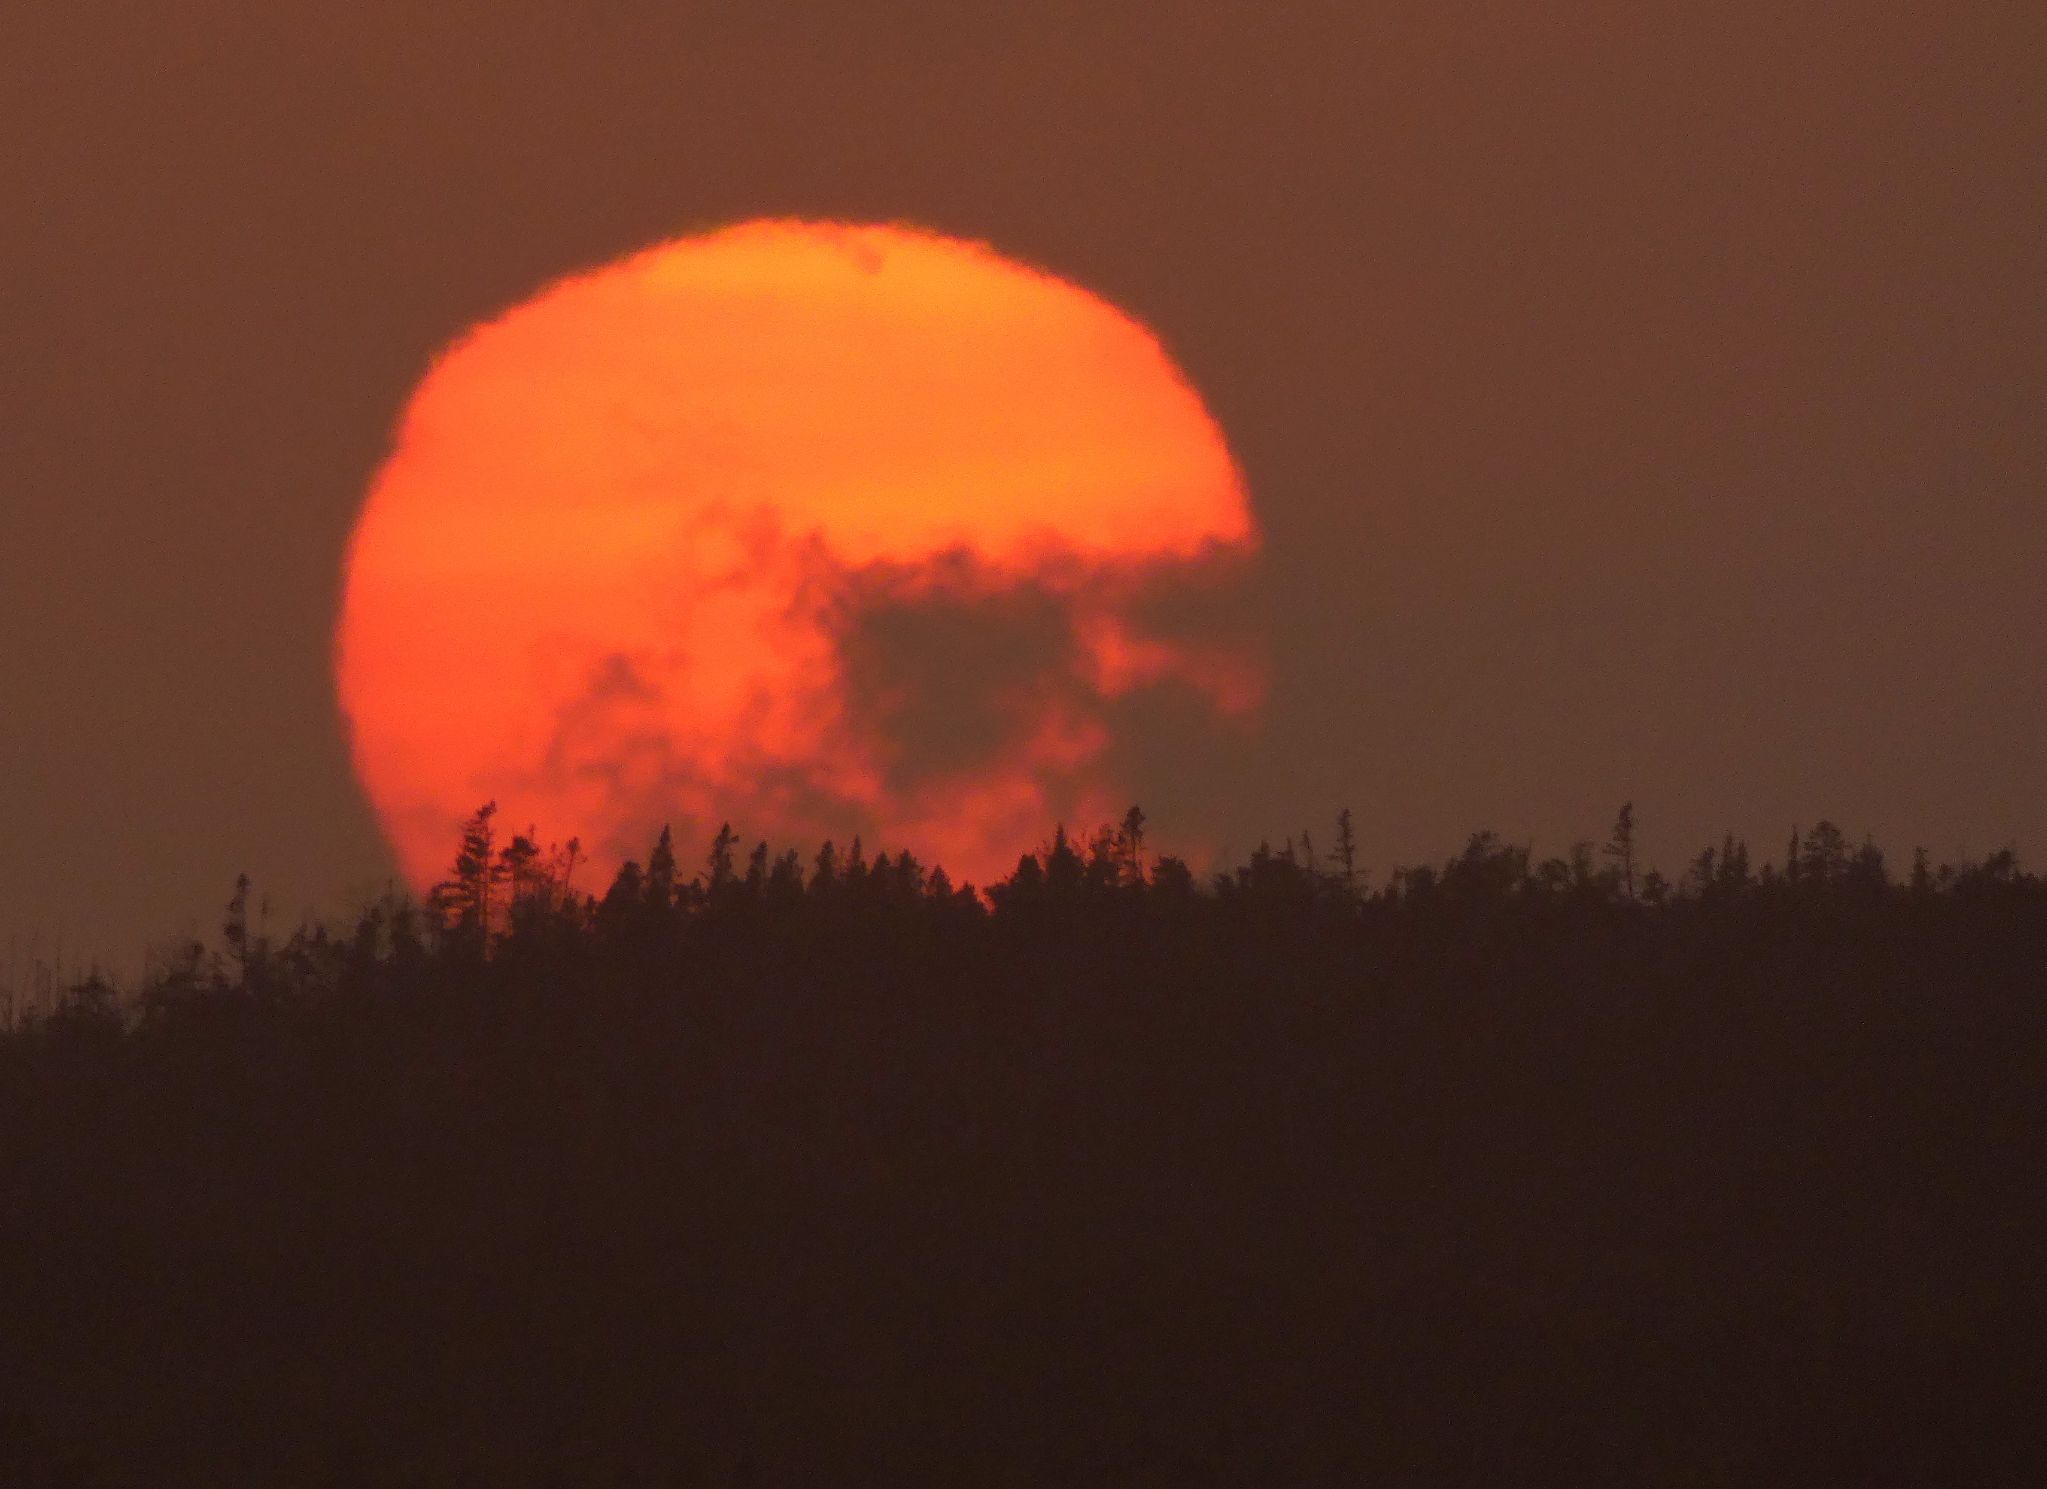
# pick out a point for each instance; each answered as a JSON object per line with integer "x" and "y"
{"x": 616, "y": 569}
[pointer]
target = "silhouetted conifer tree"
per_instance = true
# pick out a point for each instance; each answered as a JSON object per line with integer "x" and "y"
{"x": 1130, "y": 840}
{"x": 719, "y": 861}
{"x": 1620, "y": 847}
{"x": 1922, "y": 873}
{"x": 785, "y": 881}
{"x": 824, "y": 874}
{"x": 235, "y": 930}
{"x": 465, "y": 899}
{"x": 521, "y": 868}
{"x": 657, "y": 888}
{"x": 1734, "y": 873}
{"x": 559, "y": 874}
{"x": 624, "y": 904}
{"x": 1171, "y": 878}
{"x": 1105, "y": 859}
{"x": 1345, "y": 854}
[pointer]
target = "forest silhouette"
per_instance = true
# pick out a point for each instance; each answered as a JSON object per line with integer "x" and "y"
{"x": 786, "y": 1170}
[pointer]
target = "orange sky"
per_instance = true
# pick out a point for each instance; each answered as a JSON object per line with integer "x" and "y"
{"x": 610, "y": 572}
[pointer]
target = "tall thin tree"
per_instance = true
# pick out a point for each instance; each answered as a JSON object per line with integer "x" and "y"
{"x": 1621, "y": 847}
{"x": 1345, "y": 854}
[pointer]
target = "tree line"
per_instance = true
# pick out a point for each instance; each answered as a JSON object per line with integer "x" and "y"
{"x": 511, "y": 894}
{"x": 746, "y": 1168}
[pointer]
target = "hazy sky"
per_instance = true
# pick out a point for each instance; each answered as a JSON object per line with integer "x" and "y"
{"x": 1639, "y": 401}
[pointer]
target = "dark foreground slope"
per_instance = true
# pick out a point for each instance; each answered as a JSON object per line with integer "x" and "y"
{"x": 1498, "y": 1178}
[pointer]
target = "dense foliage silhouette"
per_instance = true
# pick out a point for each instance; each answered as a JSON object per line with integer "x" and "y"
{"x": 834, "y": 1172}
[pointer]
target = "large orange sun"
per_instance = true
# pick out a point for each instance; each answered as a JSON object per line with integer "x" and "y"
{"x": 818, "y": 529}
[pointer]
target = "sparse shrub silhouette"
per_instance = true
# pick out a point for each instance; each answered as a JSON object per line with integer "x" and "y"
{"x": 1507, "y": 1170}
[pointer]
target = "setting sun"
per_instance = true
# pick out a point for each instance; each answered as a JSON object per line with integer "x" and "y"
{"x": 619, "y": 567}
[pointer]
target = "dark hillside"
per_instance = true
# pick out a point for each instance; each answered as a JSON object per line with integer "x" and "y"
{"x": 1505, "y": 1174}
